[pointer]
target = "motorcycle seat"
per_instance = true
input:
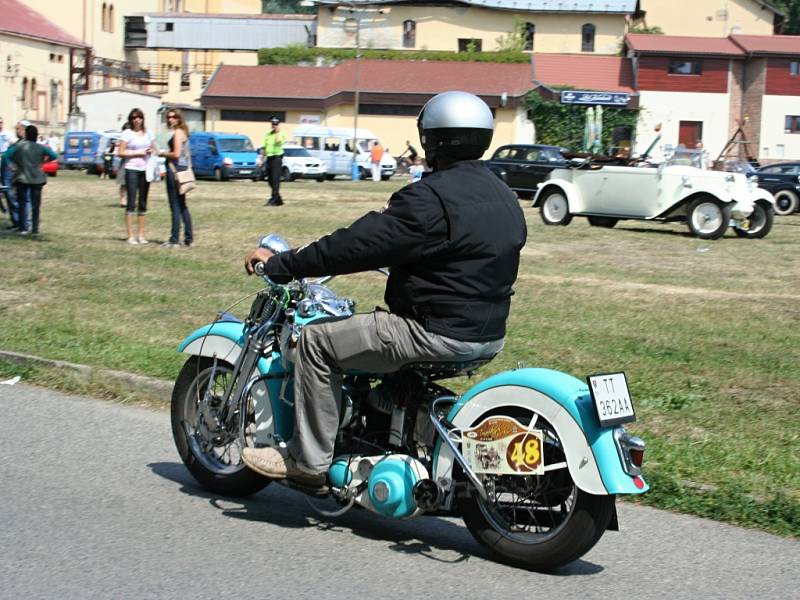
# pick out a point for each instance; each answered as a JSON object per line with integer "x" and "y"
{"x": 446, "y": 369}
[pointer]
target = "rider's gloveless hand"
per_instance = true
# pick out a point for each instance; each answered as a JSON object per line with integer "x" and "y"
{"x": 256, "y": 256}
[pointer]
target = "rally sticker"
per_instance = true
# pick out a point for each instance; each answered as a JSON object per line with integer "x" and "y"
{"x": 502, "y": 446}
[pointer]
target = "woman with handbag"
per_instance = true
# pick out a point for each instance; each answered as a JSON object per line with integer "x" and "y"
{"x": 179, "y": 178}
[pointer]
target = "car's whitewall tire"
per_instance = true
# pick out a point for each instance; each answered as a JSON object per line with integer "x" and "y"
{"x": 554, "y": 208}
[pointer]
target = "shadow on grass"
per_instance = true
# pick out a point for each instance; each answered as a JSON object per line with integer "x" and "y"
{"x": 429, "y": 537}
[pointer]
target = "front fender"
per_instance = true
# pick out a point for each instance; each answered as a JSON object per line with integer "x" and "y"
{"x": 223, "y": 340}
{"x": 567, "y": 188}
{"x": 565, "y": 402}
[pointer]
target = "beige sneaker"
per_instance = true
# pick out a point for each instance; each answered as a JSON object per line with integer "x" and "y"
{"x": 269, "y": 462}
{"x": 143, "y": 241}
{"x": 133, "y": 241}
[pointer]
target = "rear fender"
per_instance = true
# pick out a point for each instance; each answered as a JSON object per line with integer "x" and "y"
{"x": 567, "y": 188}
{"x": 273, "y": 400}
{"x": 565, "y": 402}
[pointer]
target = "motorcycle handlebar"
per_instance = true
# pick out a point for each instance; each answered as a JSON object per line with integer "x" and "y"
{"x": 259, "y": 268}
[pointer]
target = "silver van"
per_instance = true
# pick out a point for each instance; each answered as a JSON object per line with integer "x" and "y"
{"x": 334, "y": 145}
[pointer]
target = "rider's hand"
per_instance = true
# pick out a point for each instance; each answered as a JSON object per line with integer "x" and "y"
{"x": 256, "y": 256}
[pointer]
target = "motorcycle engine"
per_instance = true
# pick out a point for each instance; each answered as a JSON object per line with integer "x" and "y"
{"x": 385, "y": 483}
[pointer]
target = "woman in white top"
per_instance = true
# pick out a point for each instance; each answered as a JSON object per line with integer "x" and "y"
{"x": 135, "y": 147}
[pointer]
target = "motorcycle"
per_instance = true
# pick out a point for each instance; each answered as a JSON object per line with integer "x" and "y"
{"x": 532, "y": 459}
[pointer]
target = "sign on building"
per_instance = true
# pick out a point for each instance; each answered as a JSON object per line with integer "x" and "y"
{"x": 594, "y": 98}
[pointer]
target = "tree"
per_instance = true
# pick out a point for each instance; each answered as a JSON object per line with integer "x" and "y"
{"x": 285, "y": 6}
{"x": 791, "y": 8}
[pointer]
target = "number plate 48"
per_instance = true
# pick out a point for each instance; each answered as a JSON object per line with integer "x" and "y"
{"x": 612, "y": 399}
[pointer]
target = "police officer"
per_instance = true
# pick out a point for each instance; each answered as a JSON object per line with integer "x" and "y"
{"x": 273, "y": 155}
{"x": 452, "y": 241}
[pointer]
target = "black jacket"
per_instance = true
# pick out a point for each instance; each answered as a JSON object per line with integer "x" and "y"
{"x": 452, "y": 241}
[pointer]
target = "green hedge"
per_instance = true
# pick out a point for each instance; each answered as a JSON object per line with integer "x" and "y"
{"x": 292, "y": 55}
{"x": 563, "y": 124}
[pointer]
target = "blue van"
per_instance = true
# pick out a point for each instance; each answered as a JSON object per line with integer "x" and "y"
{"x": 80, "y": 149}
{"x": 222, "y": 155}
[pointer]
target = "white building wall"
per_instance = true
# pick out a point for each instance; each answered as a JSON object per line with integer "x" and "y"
{"x": 670, "y": 108}
{"x": 109, "y": 109}
{"x": 775, "y": 142}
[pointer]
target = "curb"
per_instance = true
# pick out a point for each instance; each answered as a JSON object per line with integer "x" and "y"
{"x": 158, "y": 389}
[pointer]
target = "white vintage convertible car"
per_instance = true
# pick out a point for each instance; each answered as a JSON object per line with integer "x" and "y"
{"x": 708, "y": 201}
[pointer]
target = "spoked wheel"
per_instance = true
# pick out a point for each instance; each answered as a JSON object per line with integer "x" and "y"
{"x": 540, "y": 522}
{"x": 210, "y": 449}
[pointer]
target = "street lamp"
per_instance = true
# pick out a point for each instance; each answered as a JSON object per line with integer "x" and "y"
{"x": 352, "y": 24}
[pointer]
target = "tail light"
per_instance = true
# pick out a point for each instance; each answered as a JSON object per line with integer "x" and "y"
{"x": 631, "y": 451}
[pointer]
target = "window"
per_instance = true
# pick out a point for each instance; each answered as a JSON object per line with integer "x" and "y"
{"x": 792, "y": 124}
{"x": 530, "y": 30}
{"x": 685, "y": 67}
{"x": 24, "y": 95}
{"x": 470, "y": 44}
{"x": 310, "y": 143}
{"x": 110, "y": 18}
{"x": 32, "y": 98}
{"x": 261, "y": 116}
{"x": 332, "y": 144}
{"x": 104, "y": 21}
{"x": 409, "y": 34}
{"x": 166, "y": 26}
{"x": 794, "y": 68}
{"x": 587, "y": 38}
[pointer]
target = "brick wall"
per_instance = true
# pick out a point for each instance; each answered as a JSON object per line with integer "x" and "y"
{"x": 755, "y": 78}
{"x": 735, "y": 89}
{"x": 654, "y": 75}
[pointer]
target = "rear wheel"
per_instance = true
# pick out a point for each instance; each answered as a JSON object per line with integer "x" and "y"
{"x": 707, "y": 217}
{"x": 537, "y": 521}
{"x": 554, "y": 208}
{"x": 786, "y": 202}
{"x": 210, "y": 450}
{"x": 602, "y": 221}
{"x": 330, "y": 177}
{"x": 759, "y": 222}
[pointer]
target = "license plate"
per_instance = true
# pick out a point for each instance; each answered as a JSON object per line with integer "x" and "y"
{"x": 503, "y": 446}
{"x": 611, "y": 398}
{"x": 245, "y": 172}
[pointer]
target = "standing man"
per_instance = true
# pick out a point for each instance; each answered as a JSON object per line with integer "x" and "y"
{"x": 273, "y": 154}
{"x": 5, "y": 141}
{"x": 375, "y": 160}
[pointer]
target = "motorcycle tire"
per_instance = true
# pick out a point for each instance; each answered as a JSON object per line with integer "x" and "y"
{"x": 581, "y": 530}
{"x": 209, "y": 470}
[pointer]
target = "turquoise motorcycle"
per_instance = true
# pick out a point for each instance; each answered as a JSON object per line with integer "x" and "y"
{"x": 532, "y": 459}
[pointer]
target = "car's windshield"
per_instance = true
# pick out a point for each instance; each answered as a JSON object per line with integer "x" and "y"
{"x": 296, "y": 152}
{"x": 235, "y": 145}
{"x": 686, "y": 157}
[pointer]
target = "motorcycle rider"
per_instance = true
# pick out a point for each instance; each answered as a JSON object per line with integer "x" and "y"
{"x": 452, "y": 242}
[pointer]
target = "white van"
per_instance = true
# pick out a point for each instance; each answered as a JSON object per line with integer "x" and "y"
{"x": 334, "y": 145}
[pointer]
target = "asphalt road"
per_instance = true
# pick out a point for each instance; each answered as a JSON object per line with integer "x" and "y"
{"x": 95, "y": 503}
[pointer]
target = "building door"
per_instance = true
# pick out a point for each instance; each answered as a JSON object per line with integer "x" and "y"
{"x": 690, "y": 133}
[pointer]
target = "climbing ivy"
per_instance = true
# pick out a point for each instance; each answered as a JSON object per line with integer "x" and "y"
{"x": 563, "y": 124}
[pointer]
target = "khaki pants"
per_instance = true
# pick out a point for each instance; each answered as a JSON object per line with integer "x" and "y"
{"x": 377, "y": 342}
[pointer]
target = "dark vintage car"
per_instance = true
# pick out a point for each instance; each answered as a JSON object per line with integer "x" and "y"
{"x": 524, "y": 166}
{"x": 783, "y": 181}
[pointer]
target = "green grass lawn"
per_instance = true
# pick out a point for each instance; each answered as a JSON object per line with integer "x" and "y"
{"x": 708, "y": 332}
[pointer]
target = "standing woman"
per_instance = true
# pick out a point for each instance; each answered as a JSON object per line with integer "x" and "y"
{"x": 135, "y": 147}
{"x": 29, "y": 178}
{"x": 178, "y": 159}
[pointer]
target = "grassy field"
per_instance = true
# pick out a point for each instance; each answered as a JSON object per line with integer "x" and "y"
{"x": 708, "y": 332}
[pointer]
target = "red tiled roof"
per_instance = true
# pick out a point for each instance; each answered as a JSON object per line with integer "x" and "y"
{"x": 769, "y": 44}
{"x": 18, "y": 19}
{"x": 679, "y": 44}
{"x": 375, "y": 76}
{"x": 584, "y": 72}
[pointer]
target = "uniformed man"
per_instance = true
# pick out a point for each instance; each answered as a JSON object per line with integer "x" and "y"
{"x": 273, "y": 155}
{"x": 452, "y": 241}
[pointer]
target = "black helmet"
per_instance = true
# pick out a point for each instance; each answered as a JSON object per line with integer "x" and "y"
{"x": 458, "y": 125}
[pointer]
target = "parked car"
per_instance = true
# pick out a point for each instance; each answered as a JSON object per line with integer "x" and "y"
{"x": 334, "y": 145}
{"x": 80, "y": 149}
{"x": 297, "y": 163}
{"x": 51, "y": 167}
{"x": 524, "y": 166}
{"x": 222, "y": 156}
{"x": 708, "y": 201}
{"x": 783, "y": 181}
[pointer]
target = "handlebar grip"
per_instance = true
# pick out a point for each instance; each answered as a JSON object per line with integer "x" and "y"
{"x": 260, "y": 268}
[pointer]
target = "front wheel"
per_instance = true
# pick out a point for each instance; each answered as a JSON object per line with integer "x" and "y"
{"x": 759, "y": 222}
{"x": 286, "y": 174}
{"x": 554, "y": 208}
{"x": 210, "y": 450}
{"x": 786, "y": 202}
{"x": 707, "y": 217}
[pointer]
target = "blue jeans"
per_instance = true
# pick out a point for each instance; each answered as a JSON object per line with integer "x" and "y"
{"x": 11, "y": 198}
{"x": 179, "y": 210}
{"x": 33, "y": 199}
